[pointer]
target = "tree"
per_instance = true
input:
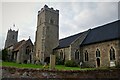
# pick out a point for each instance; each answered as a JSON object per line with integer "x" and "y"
{"x": 4, "y": 55}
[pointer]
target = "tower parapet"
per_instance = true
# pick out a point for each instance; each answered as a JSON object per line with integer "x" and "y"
{"x": 49, "y": 9}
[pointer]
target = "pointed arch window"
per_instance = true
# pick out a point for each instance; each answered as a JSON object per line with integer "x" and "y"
{"x": 112, "y": 54}
{"x": 61, "y": 54}
{"x": 86, "y": 55}
{"x": 13, "y": 36}
{"x": 77, "y": 55}
{"x": 28, "y": 50}
{"x": 51, "y": 21}
{"x": 98, "y": 53}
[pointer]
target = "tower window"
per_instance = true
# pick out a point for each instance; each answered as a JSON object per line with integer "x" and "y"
{"x": 86, "y": 55}
{"x": 98, "y": 53}
{"x": 77, "y": 54}
{"x": 112, "y": 54}
{"x": 13, "y": 37}
{"x": 51, "y": 21}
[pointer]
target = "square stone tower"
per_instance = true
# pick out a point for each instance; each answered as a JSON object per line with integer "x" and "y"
{"x": 11, "y": 39}
{"x": 47, "y": 34}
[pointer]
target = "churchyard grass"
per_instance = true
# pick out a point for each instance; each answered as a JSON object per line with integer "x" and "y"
{"x": 62, "y": 67}
{"x": 12, "y": 64}
{"x": 57, "y": 67}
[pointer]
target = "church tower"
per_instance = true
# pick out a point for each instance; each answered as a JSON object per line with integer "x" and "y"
{"x": 12, "y": 37}
{"x": 47, "y": 34}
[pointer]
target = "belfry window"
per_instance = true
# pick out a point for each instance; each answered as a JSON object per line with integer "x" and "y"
{"x": 112, "y": 54}
{"x": 13, "y": 36}
{"x": 61, "y": 54}
{"x": 98, "y": 53}
{"x": 86, "y": 55}
{"x": 77, "y": 54}
{"x": 51, "y": 21}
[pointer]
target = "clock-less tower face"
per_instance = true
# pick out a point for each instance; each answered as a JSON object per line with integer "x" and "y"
{"x": 47, "y": 34}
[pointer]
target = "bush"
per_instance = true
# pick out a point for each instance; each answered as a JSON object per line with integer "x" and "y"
{"x": 117, "y": 66}
{"x": 59, "y": 61}
{"x": 4, "y": 55}
{"x": 70, "y": 63}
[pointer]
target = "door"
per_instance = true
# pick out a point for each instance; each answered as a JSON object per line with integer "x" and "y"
{"x": 98, "y": 62}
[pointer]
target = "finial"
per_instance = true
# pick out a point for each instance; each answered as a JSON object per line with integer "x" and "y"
{"x": 45, "y": 6}
{"x": 29, "y": 37}
{"x": 13, "y": 25}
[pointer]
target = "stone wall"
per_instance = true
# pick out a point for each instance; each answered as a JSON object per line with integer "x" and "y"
{"x": 66, "y": 53}
{"x": 104, "y": 48}
{"x": 8, "y": 72}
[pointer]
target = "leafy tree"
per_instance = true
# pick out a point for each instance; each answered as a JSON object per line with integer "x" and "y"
{"x": 4, "y": 54}
{"x": 0, "y": 54}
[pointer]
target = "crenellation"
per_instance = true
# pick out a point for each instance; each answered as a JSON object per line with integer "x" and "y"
{"x": 49, "y": 9}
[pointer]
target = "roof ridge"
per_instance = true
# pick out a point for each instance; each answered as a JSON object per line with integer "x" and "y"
{"x": 22, "y": 42}
{"x": 72, "y": 35}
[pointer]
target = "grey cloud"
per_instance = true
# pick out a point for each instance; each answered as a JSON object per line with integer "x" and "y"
{"x": 74, "y": 17}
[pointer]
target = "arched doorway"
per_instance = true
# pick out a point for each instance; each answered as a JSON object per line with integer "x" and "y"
{"x": 98, "y": 62}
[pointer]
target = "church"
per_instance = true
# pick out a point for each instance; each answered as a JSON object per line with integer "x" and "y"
{"x": 97, "y": 47}
{"x": 19, "y": 52}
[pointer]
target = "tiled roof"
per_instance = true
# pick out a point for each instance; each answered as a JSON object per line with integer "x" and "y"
{"x": 99, "y": 34}
{"x": 65, "y": 42}
{"x": 18, "y": 45}
{"x": 106, "y": 32}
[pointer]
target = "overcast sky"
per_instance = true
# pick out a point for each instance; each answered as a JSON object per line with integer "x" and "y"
{"x": 74, "y": 17}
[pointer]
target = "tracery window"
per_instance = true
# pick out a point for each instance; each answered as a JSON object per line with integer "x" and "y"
{"x": 28, "y": 50}
{"x": 77, "y": 55}
{"x": 98, "y": 53}
{"x": 86, "y": 55}
{"x": 112, "y": 54}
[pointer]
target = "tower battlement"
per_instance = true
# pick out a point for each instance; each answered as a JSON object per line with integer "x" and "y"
{"x": 10, "y": 30}
{"x": 49, "y": 9}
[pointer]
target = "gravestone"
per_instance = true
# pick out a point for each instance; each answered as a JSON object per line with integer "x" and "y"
{"x": 112, "y": 63}
{"x": 52, "y": 61}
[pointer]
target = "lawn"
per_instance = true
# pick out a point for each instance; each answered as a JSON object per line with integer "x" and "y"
{"x": 58, "y": 67}
{"x": 12, "y": 64}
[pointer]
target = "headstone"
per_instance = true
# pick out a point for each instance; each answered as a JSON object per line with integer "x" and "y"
{"x": 52, "y": 61}
{"x": 112, "y": 63}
